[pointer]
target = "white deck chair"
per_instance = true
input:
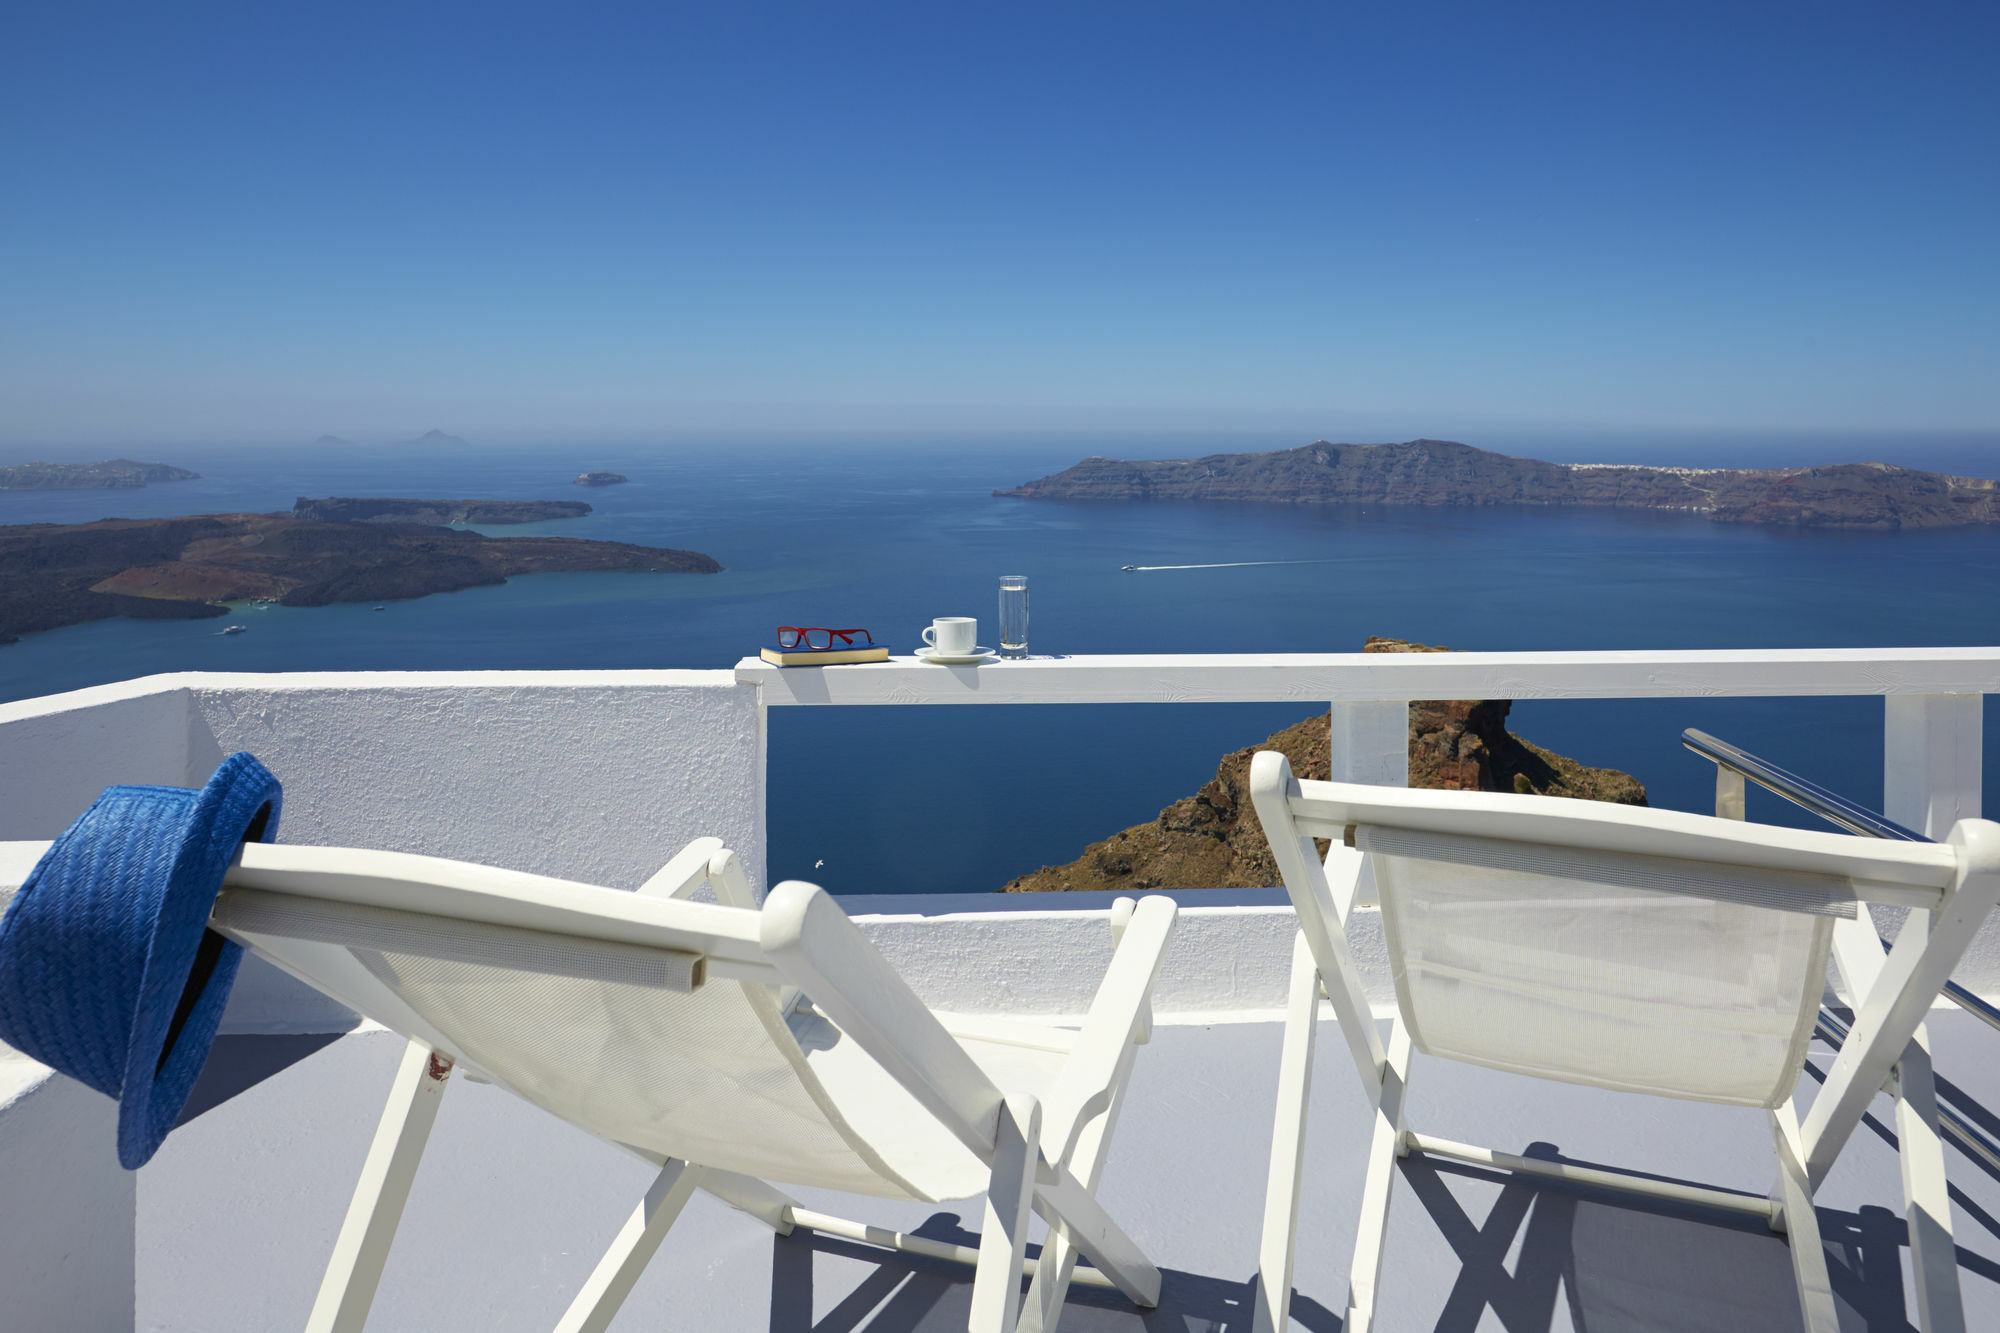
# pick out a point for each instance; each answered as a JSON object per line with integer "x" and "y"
{"x": 1641, "y": 950}
{"x": 729, "y": 1044}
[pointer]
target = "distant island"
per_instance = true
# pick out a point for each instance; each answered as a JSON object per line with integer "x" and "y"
{"x": 116, "y": 474}
{"x": 602, "y": 479}
{"x": 437, "y": 437}
{"x": 1442, "y": 472}
{"x": 53, "y": 575}
{"x": 343, "y": 510}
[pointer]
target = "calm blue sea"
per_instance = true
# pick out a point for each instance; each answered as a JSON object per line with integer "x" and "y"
{"x": 933, "y": 799}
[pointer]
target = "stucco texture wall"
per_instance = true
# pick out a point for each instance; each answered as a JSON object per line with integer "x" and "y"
{"x": 581, "y": 776}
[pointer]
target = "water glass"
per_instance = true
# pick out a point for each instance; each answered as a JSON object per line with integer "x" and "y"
{"x": 1013, "y": 614}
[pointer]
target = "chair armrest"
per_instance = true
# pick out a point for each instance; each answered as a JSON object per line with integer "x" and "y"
{"x": 684, "y": 874}
{"x": 1118, "y": 1015}
{"x": 817, "y": 949}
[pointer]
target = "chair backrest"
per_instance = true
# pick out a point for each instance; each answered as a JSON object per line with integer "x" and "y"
{"x": 1643, "y": 950}
{"x": 650, "y": 1021}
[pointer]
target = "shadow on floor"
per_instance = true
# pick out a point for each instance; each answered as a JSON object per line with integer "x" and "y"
{"x": 239, "y": 1063}
{"x": 1615, "y": 1264}
{"x": 907, "y": 1293}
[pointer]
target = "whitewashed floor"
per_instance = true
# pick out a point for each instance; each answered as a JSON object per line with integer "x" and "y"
{"x": 237, "y": 1213}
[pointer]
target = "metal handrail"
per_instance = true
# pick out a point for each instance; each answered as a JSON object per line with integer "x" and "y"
{"x": 1835, "y": 809}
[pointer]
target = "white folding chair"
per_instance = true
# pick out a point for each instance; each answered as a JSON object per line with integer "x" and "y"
{"x": 1641, "y": 950}
{"x": 729, "y": 1044}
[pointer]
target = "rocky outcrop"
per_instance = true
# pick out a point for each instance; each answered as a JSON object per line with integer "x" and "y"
{"x": 339, "y": 509}
{"x": 602, "y": 479}
{"x": 1212, "y": 839}
{"x": 116, "y": 474}
{"x": 1443, "y": 472}
{"x": 181, "y": 568}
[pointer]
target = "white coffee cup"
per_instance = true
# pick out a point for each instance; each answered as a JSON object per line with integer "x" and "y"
{"x": 952, "y": 636}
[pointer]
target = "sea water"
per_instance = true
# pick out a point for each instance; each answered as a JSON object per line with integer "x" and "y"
{"x": 893, "y": 800}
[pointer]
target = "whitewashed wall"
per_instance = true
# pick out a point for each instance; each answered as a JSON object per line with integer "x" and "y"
{"x": 58, "y": 752}
{"x": 593, "y": 776}
{"x": 66, "y": 1207}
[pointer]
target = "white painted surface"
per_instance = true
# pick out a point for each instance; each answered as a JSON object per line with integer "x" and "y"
{"x": 67, "y": 1209}
{"x": 594, "y": 776}
{"x": 599, "y": 776}
{"x": 57, "y": 753}
{"x": 1931, "y": 760}
{"x": 1359, "y": 677}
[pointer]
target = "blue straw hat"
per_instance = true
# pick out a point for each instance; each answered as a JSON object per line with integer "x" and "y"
{"x": 108, "y": 971}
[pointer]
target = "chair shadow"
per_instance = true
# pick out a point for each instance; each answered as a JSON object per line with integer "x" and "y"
{"x": 908, "y": 1293}
{"x": 1957, "y": 1161}
{"x": 1618, "y": 1264}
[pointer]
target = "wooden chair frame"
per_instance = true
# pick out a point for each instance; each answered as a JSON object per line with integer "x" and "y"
{"x": 1046, "y": 1155}
{"x": 1886, "y": 1051}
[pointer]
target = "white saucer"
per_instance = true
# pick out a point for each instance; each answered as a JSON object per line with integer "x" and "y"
{"x": 973, "y": 658}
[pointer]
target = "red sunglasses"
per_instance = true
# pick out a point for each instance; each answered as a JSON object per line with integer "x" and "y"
{"x": 793, "y": 636}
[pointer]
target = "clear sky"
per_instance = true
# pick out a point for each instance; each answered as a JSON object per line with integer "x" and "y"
{"x": 269, "y": 220}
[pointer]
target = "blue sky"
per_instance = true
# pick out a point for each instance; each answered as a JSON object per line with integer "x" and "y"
{"x": 266, "y": 221}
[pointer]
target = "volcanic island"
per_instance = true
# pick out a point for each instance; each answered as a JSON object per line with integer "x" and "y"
{"x": 1877, "y": 496}
{"x": 321, "y": 552}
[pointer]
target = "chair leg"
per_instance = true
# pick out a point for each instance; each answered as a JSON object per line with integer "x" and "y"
{"x": 1288, "y": 1146}
{"x": 747, "y": 1194}
{"x": 1066, "y": 1201}
{"x": 1056, "y": 1268}
{"x": 1003, "y": 1238}
{"x": 355, "y": 1269}
{"x": 1927, "y": 1205}
{"x": 612, "y": 1280}
{"x": 1794, "y": 1191}
{"x": 1370, "y": 1239}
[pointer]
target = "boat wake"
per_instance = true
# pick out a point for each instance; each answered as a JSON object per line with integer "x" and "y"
{"x": 1226, "y": 564}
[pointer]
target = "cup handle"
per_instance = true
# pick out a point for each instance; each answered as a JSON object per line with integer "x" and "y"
{"x": 930, "y": 636}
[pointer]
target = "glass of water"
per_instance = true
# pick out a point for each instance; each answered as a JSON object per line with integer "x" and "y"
{"x": 1013, "y": 614}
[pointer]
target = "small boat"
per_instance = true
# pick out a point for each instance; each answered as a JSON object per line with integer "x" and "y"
{"x": 234, "y": 629}
{"x": 381, "y": 608}
{"x": 1128, "y": 568}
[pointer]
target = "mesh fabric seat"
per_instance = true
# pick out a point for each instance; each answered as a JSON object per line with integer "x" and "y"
{"x": 1644, "y": 951}
{"x": 1569, "y": 977}
{"x": 735, "y": 1044}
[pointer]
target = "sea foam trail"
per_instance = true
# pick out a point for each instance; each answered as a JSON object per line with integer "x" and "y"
{"x": 1226, "y": 564}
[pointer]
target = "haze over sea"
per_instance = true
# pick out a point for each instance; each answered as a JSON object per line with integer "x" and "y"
{"x": 895, "y": 800}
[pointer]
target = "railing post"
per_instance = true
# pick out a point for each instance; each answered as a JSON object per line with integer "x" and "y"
{"x": 1931, "y": 760}
{"x": 1370, "y": 743}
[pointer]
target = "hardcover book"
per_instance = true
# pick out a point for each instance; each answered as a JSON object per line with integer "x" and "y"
{"x": 789, "y": 657}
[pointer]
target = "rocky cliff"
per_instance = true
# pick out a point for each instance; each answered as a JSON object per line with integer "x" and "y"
{"x": 1442, "y": 472}
{"x": 112, "y": 474}
{"x": 1212, "y": 839}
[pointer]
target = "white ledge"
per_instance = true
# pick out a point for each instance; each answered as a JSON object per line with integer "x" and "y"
{"x": 1386, "y": 677}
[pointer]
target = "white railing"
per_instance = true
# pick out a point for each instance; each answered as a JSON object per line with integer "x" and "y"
{"x": 1933, "y": 697}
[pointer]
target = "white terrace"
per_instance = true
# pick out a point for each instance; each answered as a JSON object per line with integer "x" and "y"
{"x": 601, "y": 777}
